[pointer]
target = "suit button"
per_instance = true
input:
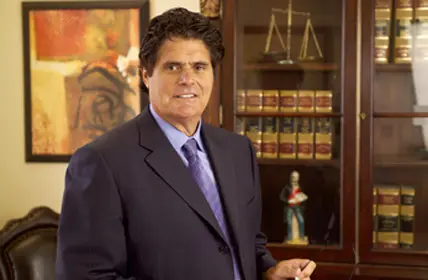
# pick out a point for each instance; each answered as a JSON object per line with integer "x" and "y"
{"x": 223, "y": 249}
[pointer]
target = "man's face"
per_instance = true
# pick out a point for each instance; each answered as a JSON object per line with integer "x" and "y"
{"x": 182, "y": 80}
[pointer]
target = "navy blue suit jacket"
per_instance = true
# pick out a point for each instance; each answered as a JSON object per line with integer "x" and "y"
{"x": 131, "y": 209}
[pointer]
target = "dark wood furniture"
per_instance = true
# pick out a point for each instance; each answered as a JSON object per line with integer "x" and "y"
{"x": 376, "y": 138}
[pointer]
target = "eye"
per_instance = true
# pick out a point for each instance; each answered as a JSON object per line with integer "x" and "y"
{"x": 200, "y": 67}
{"x": 172, "y": 67}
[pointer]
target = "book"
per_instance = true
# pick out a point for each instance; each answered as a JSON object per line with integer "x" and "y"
{"x": 287, "y": 138}
{"x": 388, "y": 216}
{"x": 323, "y": 138}
{"x": 270, "y": 100}
{"x": 421, "y": 41}
{"x": 375, "y": 220}
{"x": 240, "y": 125}
{"x": 403, "y": 31}
{"x": 323, "y": 101}
{"x": 383, "y": 14}
{"x": 254, "y": 100}
{"x": 270, "y": 145}
{"x": 253, "y": 130}
{"x": 288, "y": 100}
{"x": 407, "y": 216}
{"x": 305, "y": 138}
{"x": 306, "y": 101}
{"x": 241, "y": 101}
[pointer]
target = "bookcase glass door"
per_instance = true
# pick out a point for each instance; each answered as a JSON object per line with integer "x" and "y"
{"x": 399, "y": 129}
{"x": 288, "y": 102}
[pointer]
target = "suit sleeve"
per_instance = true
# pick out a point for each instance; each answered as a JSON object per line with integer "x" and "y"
{"x": 91, "y": 239}
{"x": 263, "y": 257}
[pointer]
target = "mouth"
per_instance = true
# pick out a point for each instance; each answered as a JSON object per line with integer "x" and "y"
{"x": 186, "y": 96}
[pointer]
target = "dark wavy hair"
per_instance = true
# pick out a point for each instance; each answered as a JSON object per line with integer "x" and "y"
{"x": 181, "y": 23}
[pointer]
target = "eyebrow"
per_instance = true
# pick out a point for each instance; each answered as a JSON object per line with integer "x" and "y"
{"x": 198, "y": 62}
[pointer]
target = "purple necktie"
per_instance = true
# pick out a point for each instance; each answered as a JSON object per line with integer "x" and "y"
{"x": 210, "y": 191}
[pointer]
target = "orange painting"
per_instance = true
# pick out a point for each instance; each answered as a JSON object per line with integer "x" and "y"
{"x": 81, "y": 76}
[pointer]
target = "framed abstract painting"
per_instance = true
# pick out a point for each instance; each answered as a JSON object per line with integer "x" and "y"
{"x": 80, "y": 72}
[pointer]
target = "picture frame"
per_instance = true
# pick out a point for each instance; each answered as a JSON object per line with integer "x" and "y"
{"x": 81, "y": 72}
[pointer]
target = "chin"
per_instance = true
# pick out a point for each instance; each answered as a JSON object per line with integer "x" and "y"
{"x": 189, "y": 114}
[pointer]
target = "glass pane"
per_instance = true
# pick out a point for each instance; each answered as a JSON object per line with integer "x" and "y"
{"x": 289, "y": 55}
{"x": 289, "y": 62}
{"x": 400, "y": 184}
{"x": 400, "y": 140}
{"x": 310, "y": 146}
{"x": 401, "y": 56}
{"x": 399, "y": 211}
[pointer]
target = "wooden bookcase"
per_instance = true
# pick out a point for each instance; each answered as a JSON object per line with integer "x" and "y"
{"x": 372, "y": 140}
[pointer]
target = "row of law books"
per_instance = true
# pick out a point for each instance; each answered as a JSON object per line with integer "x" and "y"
{"x": 393, "y": 216}
{"x": 401, "y": 31}
{"x": 288, "y": 137}
{"x": 261, "y": 100}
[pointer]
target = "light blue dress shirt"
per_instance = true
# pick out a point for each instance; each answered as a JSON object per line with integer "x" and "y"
{"x": 178, "y": 139}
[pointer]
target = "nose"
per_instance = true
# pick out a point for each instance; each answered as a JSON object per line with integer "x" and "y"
{"x": 186, "y": 77}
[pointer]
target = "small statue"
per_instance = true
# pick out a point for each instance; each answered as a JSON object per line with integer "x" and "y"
{"x": 210, "y": 8}
{"x": 293, "y": 198}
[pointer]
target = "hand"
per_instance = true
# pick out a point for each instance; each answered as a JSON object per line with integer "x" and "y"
{"x": 301, "y": 268}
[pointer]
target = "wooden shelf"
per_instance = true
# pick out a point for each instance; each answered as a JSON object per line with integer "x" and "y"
{"x": 392, "y": 271}
{"x": 398, "y": 67}
{"x": 401, "y": 163}
{"x": 400, "y": 115}
{"x": 299, "y": 162}
{"x": 306, "y": 66}
{"x": 392, "y": 67}
{"x": 288, "y": 114}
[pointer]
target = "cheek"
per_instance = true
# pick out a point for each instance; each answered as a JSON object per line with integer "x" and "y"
{"x": 159, "y": 91}
{"x": 207, "y": 84}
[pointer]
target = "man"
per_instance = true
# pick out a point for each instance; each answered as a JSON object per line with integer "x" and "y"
{"x": 166, "y": 196}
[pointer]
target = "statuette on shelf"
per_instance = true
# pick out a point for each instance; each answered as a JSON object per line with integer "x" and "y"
{"x": 294, "y": 198}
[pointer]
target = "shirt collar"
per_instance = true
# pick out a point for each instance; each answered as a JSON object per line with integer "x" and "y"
{"x": 175, "y": 136}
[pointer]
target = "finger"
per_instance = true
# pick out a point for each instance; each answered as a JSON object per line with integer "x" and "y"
{"x": 304, "y": 263}
{"x": 301, "y": 263}
{"x": 308, "y": 270}
{"x": 288, "y": 271}
{"x": 306, "y": 278}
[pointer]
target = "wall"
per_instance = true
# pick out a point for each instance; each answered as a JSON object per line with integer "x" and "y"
{"x": 26, "y": 185}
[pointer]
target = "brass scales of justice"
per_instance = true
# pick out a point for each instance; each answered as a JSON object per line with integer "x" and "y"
{"x": 285, "y": 57}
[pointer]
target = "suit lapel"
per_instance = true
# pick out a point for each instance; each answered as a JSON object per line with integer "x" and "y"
{"x": 165, "y": 161}
{"x": 225, "y": 176}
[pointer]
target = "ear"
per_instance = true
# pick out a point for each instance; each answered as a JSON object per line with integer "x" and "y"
{"x": 145, "y": 76}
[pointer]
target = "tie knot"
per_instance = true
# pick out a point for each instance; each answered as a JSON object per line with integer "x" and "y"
{"x": 190, "y": 148}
